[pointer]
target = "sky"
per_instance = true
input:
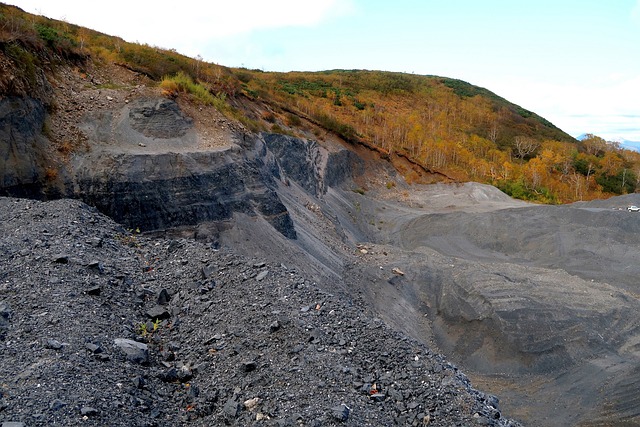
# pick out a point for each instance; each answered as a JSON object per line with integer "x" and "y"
{"x": 574, "y": 62}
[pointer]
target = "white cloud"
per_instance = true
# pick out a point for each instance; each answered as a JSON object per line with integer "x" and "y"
{"x": 608, "y": 109}
{"x": 187, "y": 23}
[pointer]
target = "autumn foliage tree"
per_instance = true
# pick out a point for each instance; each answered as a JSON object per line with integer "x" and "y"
{"x": 447, "y": 126}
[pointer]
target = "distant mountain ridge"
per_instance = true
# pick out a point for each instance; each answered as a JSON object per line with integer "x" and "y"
{"x": 623, "y": 142}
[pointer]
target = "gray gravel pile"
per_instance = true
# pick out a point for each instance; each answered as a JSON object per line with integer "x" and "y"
{"x": 99, "y": 326}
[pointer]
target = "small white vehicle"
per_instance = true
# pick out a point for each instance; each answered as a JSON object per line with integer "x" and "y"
{"x": 633, "y": 208}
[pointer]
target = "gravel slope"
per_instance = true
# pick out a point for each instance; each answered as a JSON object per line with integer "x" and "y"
{"x": 102, "y": 327}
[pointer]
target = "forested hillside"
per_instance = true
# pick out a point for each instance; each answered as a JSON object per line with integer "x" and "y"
{"x": 448, "y": 127}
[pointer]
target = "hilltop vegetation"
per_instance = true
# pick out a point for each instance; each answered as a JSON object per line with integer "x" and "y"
{"x": 447, "y": 126}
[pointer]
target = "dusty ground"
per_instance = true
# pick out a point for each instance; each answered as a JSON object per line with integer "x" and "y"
{"x": 99, "y": 326}
{"x": 538, "y": 303}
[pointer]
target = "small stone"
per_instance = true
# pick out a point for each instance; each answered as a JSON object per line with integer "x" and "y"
{"x": 57, "y": 404}
{"x": 192, "y": 392}
{"x": 97, "y": 266}
{"x": 340, "y": 412}
{"x": 12, "y": 424}
{"x": 169, "y": 376}
{"x": 5, "y": 315}
{"x": 249, "y": 366}
{"x": 397, "y": 271}
{"x": 164, "y": 297}
{"x": 53, "y": 344}
{"x": 483, "y": 421}
{"x": 274, "y": 326}
{"x": 139, "y": 382}
{"x": 158, "y": 312}
{"x": 216, "y": 337}
{"x": 250, "y": 404}
{"x": 262, "y": 275}
{"x": 88, "y": 411}
{"x": 94, "y": 348}
{"x": 260, "y": 416}
{"x": 61, "y": 259}
{"x": 259, "y": 265}
{"x": 184, "y": 374}
{"x": 94, "y": 290}
{"x": 167, "y": 356}
{"x": 135, "y": 351}
{"x": 208, "y": 271}
{"x": 231, "y": 408}
{"x": 378, "y": 397}
{"x": 426, "y": 420}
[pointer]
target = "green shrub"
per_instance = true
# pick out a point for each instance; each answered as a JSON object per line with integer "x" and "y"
{"x": 347, "y": 132}
{"x": 182, "y": 82}
{"x": 48, "y": 34}
{"x": 624, "y": 182}
{"x": 519, "y": 190}
{"x": 24, "y": 61}
{"x": 359, "y": 105}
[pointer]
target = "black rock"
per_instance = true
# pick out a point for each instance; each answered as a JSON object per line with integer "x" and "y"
{"x": 88, "y": 411}
{"x": 164, "y": 297}
{"x": 158, "y": 312}
{"x": 135, "y": 351}
{"x": 169, "y": 376}
{"x": 57, "y": 404}
{"x": 340, "y": 412}
{"x": 5, "y": 314}
{"x": 139, "y": 382}
{"x": 61, "y": 259}
{"x": 249, "y": 366}
{"x": 95, "y": 348}
{"x": 274, "y": 326}
{"x": 94, "y": 290}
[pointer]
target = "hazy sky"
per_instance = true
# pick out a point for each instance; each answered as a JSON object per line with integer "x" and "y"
{"x": 574, "y": 62}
